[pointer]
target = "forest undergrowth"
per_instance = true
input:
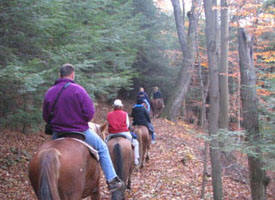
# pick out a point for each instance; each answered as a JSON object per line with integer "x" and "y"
{"x": 174, "y": 171}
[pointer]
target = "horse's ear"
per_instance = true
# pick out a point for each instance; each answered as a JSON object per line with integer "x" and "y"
{"x": 103, "y": 127}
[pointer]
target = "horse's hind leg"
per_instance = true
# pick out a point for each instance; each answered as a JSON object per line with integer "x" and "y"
{"x": 129, "y": 183}
{"x": 95, "y": 196}
{"x": 147, "y": 156}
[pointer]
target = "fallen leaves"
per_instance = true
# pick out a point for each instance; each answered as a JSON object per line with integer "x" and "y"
{"x": 164, "y": 177}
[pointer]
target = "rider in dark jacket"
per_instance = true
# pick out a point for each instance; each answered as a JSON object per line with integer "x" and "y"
{"x": 143, "y": 95}
{"x": 156, "y": 93}
{"x": 141, "y": 117}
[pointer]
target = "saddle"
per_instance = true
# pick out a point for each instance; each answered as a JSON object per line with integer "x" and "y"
{"x": 79, "y": 137}
{"x": 118, "y": 135}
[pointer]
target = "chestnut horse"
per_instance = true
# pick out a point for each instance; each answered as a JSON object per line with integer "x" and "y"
{"x": 157, "y": 107}
{"x": 144, "y": 139}
{"x": 64, "y": 169}
{"x": 122, "y": 155}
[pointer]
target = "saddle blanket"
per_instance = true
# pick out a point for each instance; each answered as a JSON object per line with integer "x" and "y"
{"x": 91, "y": 149}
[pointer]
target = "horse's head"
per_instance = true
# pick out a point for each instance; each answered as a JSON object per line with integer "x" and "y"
{"x": 99, "y": 129}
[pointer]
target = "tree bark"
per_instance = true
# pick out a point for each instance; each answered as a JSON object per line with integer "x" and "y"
{"x": 211, "y": 35}
{"x": 187, "y": 44}
{"x": 223, "y": 76}
{"x": 250, "y": 113}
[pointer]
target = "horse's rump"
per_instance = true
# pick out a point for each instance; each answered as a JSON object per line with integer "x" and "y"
{"x": 120, "y": 149}
{"x": 144, "y": 142}
{"x": 157, "y": 106}
{"x": 66, "y": 167}
{"x": 157, "y": 103}
{"x": 122, "y": 156}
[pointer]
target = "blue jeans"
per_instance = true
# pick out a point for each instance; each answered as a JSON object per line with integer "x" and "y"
{"x": 104, "y": 157}
{"x": 151, "y": 129}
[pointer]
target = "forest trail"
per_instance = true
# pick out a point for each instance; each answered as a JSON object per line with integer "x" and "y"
{"x": 174, "y": 171}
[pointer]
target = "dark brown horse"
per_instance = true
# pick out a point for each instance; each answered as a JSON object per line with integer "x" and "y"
{"x": 122, "y": 155}
{"x": 64, "y": 169}
{"x": 157, "y": 107}
{"x": 144, "y": 140}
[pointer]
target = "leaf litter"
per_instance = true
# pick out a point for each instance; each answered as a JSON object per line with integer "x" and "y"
{"x": 174, "y": 171}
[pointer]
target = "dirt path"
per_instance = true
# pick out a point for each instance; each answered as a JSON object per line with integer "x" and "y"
{"x": 173, "y": 171}
{"x": 167, "y": 175}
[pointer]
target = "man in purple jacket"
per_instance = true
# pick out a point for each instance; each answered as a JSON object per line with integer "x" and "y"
{"x": 73, "y": 110}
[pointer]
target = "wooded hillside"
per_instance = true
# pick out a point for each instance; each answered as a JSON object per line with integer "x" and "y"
{"x": 213, "y": 62}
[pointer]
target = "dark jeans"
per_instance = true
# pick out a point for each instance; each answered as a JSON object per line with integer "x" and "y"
{"x": 150, "y": 127}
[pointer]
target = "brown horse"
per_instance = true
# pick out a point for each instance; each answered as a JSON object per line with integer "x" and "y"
{"x": 64, "y": 169}
{"x": 157, "y": 107}
{"x": 144, "y": 140}
{"x": 122, "y": 155}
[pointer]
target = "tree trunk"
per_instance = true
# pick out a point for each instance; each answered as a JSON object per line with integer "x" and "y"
{"x": 210, "y": 30}
{"x": 204, "y": 91}
{"x": 187, "y": 44}
{"x": 250, "y": 113}
{"x": 223, "y": 76}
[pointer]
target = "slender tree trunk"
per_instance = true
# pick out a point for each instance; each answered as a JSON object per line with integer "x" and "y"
{"x": 205, "y": 160}
{"x": 223, "y": 76}
{"x": 187, "y": 44}
{"x": 211, "y": 24}
{"x": 238, "y": 103}
{"x": 250, "y": 113}
{"x": 204, "y": 87}
{"x": 204, "y": 92}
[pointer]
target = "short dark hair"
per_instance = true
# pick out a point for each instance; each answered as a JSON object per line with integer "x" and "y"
{"x": 66, "y": 70}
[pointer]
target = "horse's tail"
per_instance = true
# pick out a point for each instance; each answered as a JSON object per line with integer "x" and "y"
{"x": 49, "y": 173}
{"x": 119, "y": 194}
{"x": 118, "y": 161}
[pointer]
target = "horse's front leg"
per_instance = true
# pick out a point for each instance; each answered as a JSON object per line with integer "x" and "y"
{"x": 94, "y": 196}
{"x": 129, "y": 183}
{"x": 147, "y": 156}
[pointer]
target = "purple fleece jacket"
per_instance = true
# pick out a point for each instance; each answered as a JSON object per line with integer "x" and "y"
{"x": 73, "y": 110}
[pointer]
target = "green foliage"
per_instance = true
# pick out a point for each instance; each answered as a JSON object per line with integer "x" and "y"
{"x": 102, "y": 38}
{"x": 268, "y": 144}
{"x": 267, "y": 128}
{"x": 231, "y": 140}
{"x": 237, "y": 141}
{"x": 152, "y": 63}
